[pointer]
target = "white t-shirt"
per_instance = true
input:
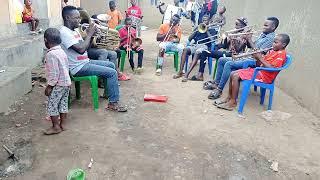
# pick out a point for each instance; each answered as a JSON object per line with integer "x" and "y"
{"x": 170, "y": 11}
{"x": 76, "y": 60}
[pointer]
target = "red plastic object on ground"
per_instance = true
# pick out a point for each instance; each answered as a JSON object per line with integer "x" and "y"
{"x": 155, "y": 98}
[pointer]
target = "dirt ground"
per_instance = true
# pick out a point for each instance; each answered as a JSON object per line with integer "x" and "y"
{"x": 186, "y": 138}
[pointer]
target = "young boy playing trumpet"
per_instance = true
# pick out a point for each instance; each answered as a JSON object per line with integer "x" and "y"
{"x": 273, "y": 59}
{"x": 169, "y": 35}
{"x": 199, "y": 42}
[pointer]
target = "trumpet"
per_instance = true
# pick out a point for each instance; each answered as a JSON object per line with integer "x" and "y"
{"x": 239, "y": 56}
{"x": 246, "y": 29}
{"x": 242, "y": 34}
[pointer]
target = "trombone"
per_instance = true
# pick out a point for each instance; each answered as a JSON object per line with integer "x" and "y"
{"x": 203, "y": 28}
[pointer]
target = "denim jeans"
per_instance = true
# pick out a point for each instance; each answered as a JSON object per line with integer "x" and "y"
{"x": 213, "y": 54}
{"x": 226, "y": 65}
{"x": 103, "y": 54}
{"x": 106, "y": 70}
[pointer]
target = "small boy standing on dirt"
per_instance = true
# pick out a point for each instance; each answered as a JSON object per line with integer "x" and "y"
{"x": 58, "y": 79}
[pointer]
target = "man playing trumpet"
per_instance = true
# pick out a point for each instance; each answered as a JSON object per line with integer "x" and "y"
{"x": 199, "y": 42}
{"x": 226, "y": 64}
{"x": 169, "y": 35}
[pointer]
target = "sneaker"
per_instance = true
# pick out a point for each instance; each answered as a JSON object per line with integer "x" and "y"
{"x": 33, "y": 33}
{"x": 139, "y": 70}
{"x": 158, "y": 72}
{"x": 39, "y": 30}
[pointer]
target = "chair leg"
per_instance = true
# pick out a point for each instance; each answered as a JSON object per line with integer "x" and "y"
{"x": 270, "y": 99}
{"x": 106, "y": 87}
{"x": 95, "y": 93}
{"x": 262, "y": 95}
{"x": 69, "y": 99}
{"x": 77, "y": 85}
{"x": 122, "y": 60}
{"x": 186, "y": 64}
{"x": 210, "y": 65}
{"x": 244, "y": 95}
{"x": 176, "y": 61}
{"x": 215, "y": 69}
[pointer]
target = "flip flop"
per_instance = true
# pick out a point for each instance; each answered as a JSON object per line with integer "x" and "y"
{"x": 176, "y": 76}
{"x": 225, "y": 107}
{"x": 209, "y": 86}
{"x": 117, "y": 108}
{"x": 184, "y": 80}
{"x": 124, "y": 77}
{"x": 215, "y": 94}
{"x": 194, "y": 78}
{"x": 219, "y": 102}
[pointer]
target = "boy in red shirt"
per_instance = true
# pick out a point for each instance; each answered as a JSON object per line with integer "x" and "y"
{"x": 27, "y": 16}
{"x": 134, "y": 10}
{"x": 127, "y": 43}
{"x": 135, "y": 13}
{"x": 273, "y": 59}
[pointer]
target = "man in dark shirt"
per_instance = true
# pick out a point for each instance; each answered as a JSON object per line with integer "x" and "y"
{"x": 199, "y": 42}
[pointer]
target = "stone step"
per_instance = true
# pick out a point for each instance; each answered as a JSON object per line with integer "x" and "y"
{"x": 14, "y": 83}
{"x": 22, "y": 51}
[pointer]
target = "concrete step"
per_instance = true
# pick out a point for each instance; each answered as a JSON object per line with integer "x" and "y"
{"x": 22, "y": 51}
{"x": 14, "y": 83}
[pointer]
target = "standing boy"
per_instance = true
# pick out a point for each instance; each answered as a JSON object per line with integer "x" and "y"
{"x": 58, "y": 79}
{"x": 115, "y": 15}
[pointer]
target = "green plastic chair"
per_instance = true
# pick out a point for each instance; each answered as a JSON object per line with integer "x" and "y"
{"x": 94, "y": 88}
{"x": 215, "y": 69}
{"x": 119, "y": 27}
{"x": 123, "y": 59}
{"x": 76, "y": 174}
{"x": 176, "y": 59}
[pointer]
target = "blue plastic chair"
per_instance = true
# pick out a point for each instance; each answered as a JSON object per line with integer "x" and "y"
{"x": 246, "y": 84}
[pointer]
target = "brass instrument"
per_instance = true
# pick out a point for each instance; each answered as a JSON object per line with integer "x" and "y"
{"x": 236, "y": 32}
{"x": 242, "y": 34}
{"x": 104, "y": 38}
{"x": 203, "y": 28}
{"x": 239, "y": 56}
{"x": 137, "y": 42}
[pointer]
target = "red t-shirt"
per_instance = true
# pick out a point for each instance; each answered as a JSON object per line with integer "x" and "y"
{"x": 134, "y": 11}
{"x": 123, "y": 33}
{"x": 277, "y": 59}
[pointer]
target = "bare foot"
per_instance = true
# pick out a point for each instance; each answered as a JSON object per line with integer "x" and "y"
{"x": 229, "y": 106}
{"x": 52, "y": 131}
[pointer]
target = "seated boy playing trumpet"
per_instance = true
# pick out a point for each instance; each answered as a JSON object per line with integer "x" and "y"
{"x": 275, "y": 58}
{"x": 200, "y": 40}
{"x": 129, "y": 42}
{"x": 169, "y": 35}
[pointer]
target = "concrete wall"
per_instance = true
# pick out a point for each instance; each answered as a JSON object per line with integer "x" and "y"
{"x": 300, "y": 20}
